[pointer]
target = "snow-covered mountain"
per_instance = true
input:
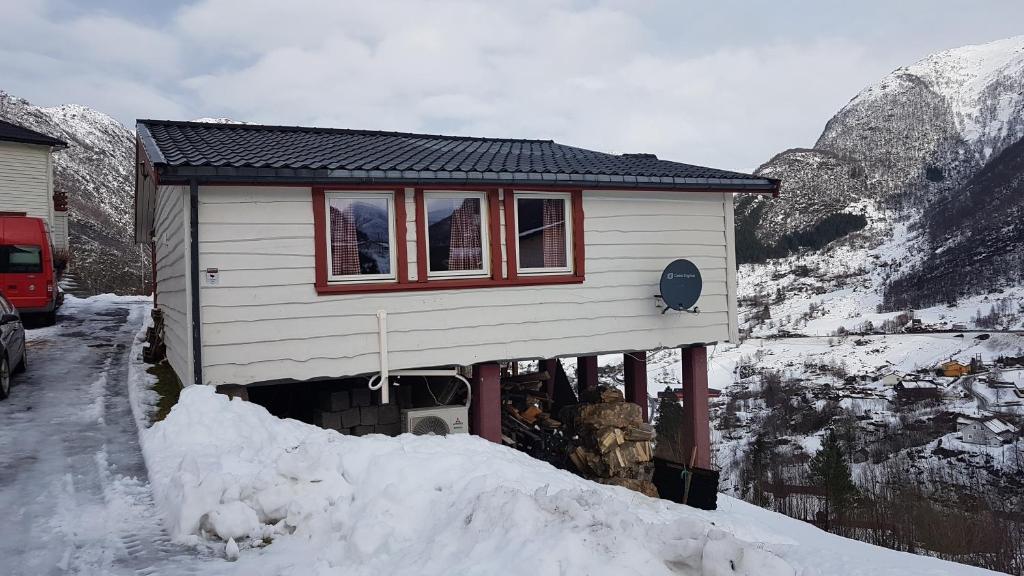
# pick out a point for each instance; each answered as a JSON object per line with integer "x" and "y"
{"x": 908, "y": 149}
{"x": 97, "y": 172}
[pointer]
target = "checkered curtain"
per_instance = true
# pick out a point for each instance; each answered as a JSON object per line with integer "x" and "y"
{"x": 465, "y": 251}
{"x": 554, "y": 234}
{"x": 344, "y": 242}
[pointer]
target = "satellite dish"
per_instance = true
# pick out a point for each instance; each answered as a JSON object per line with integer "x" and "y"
{"x": 681, "y": 284}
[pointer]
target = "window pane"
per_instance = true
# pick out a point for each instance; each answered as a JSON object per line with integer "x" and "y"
{"x": 360, "y": 232}
{"x": 21, "y": 259}
{"x": 455, "y": 232}
{"x": 542, "y": 232}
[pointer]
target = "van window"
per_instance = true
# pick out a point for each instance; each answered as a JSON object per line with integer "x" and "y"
{"x": 21, "y": 258}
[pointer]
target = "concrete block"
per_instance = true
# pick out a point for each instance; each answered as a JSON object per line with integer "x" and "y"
{"x": 360, "y": 397}
{"x": 334, "y": 401}
{"x": 362, "y": 430}
{"x": 350, "y": 418}
{"x": 331, "y": 420}
{"x": 389, "y": 429}
{"x": 388, "y": 414}
{"x": 368, "y": 415}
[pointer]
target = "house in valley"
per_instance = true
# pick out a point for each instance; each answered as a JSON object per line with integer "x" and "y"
{"x": 953, "y": 369}
{"x": 296, "y": 255}
{"x": 26, "y": 179}
{"x": 916, "y": 390}
{"x": 990, "y": 431}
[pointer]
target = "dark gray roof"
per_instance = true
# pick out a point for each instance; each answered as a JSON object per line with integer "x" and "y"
{"x": 14, "y": 133}
{"x": 253, "y": 153}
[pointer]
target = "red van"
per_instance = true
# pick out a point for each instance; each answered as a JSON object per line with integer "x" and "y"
{"x": 27, "y": 277}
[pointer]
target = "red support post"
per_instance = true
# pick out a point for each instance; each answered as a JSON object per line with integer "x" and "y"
{"x": 485, "y": 411}
{"x": 696, "y": 419}
{"x": 634, "y": 371}
{"x": 586, "y": 373}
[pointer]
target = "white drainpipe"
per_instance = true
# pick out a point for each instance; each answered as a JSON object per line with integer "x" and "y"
{"x": 382, "y": 328}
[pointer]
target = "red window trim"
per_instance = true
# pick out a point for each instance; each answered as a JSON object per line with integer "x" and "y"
{"x": 422, "y": 281}
{"x": 512, "y": 242}
{"x": 320, "y": 241}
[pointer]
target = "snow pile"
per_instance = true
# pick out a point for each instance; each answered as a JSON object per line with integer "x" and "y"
{"x": 299, "y": 499}
{"x": 380, "y": 505}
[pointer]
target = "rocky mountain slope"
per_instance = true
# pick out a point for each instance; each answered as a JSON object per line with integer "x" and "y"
{"x": 97, "y": 172}
{"x": 919, "y": 133}
{"x": 976, "y": 235}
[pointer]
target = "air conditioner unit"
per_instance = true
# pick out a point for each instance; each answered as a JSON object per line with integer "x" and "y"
{"x": 439, "y": 420}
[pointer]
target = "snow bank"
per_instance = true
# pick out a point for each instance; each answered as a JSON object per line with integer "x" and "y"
{"x": 379, "y": 505}
{"x": 333, "y": 504}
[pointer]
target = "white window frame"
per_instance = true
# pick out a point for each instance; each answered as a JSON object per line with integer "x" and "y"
{"x": 392, "y": 252}
{"x": 569, "y": 255}
{"x": 485, "y": 234}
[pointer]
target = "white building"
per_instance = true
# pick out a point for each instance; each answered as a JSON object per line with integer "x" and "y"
{"x": 26, "y": 178}
{"x": 277, "y": 248}
{"x": 988, "y": 431}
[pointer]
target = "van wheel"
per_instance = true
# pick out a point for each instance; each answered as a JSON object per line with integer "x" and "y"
{"x": 50, "y": 318}
{"x": 5, "y": 378}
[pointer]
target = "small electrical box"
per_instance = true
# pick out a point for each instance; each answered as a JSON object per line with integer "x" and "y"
{"x": 212, "y": 276}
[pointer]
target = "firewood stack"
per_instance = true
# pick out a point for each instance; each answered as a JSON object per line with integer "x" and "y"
{"x": 610, "y": 443}
{"x": 526, "y": 422}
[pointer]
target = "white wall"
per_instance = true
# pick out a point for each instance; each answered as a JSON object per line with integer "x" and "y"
{"x": 59, "y": 230}
{"x": 264, "y": 320}
{"x": 172, "y": 276}
{"x": 26, "y": 183}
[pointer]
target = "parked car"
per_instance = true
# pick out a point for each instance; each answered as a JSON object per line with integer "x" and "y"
{"x": 27, "y": 276}
{"x": 13, "y": 356}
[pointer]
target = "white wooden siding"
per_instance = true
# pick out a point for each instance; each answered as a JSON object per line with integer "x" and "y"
{"x": 59, "y": 231}
{"x": 264, "y": 319}
{"x": 172, "y": 276}
{"x": 26, "y": 180}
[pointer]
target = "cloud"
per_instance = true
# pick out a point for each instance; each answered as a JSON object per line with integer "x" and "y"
{"x": 584, "y": 76}
{"x": 109, "y": 63}
{"x": 652, "y": 76}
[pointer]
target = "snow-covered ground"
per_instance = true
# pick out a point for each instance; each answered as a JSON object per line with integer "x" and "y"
{"x": 299, "y": 499}
{"x": 73, "y": 484}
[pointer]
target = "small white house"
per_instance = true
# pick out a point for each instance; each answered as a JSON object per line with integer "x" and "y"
{"x": 890, "y": 379}
{"x": 295, "y": 254}
{"x": 26, "y": 179}
{"x": 988, "y": 431}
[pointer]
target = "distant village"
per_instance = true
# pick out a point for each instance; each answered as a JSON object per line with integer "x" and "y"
{"x": 997, "y": 388}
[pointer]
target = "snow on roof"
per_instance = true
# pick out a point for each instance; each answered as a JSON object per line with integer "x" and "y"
{"x": 917, "y": 384}
{"x": 998, "y": 426}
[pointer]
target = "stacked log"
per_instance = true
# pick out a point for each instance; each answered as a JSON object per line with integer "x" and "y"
{"x": 526, "y": 422}
{"x": 611, "y": 443}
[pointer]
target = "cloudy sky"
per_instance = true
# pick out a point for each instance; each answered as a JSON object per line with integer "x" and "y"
{"x": 726, "y": 83}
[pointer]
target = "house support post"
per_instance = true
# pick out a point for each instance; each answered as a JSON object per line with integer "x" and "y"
{"x": 551, "y": 367}
{"x": 634, "y": 371}
{"x": 696, "y": 421}
{"x": 485, "y": 412}
{"x": 586, "y": 373}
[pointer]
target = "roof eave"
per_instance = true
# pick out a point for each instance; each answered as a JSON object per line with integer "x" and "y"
{"x": 244, "y": 175}
{"x": 53, "y": 143}
{"x": 149, "y": 145}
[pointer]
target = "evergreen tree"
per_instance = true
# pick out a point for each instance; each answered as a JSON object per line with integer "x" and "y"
{"x": 830, "y": 471}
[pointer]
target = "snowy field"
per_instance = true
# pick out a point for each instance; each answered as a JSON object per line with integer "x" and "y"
{"x": 289, "y": 498}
